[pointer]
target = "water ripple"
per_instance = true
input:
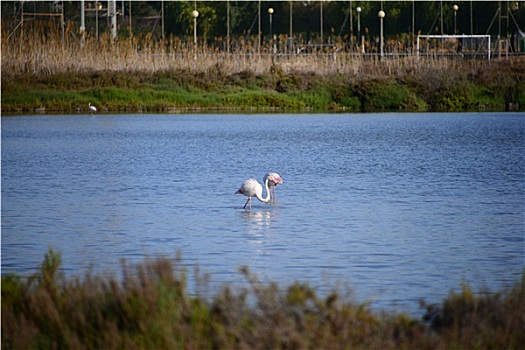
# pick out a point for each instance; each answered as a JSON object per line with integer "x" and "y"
{"x": 400, "y": 206}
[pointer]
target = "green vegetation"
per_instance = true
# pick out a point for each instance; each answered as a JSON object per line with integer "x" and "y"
{"x": 150, "y": 307}
{"x": 183, "y": 89}
{"x": 43, "y": 72}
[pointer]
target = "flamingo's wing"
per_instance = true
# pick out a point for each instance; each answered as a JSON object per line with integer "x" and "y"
{"x": 249, "y": 188}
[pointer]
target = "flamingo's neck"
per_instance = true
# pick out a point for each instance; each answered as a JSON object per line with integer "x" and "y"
{"x": 267, "y": 198}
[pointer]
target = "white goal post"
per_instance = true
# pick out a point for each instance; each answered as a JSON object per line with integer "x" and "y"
{"x": 482, "y": 42}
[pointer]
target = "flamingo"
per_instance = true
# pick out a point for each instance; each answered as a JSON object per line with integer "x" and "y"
{"x": 273, "y": 180}
{"x": 251, "y": 188}
{"x": 92, "y": 108}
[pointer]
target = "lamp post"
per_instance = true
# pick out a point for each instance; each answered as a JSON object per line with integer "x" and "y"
{"x": 228, "y": 28}
{"x": 456, "y": 8}
{"x": 195, "y": 14}
{"x": 471, "y": 20}
{"x": 351, "y": 27}
{"x": 290, "y": 41}
{"x": 321, "y": 23}
{"x": 442, "y": 31}
{"x": 259, "y": 34}
{"x": 130, "y": 19}
{"x": 112, "y": 13}
{"x": 358, "y": 26}
{"x": 270, "y": 13}
{"x": 82, "y": 23}
{"x": 97, "y": 7}
{"x": 381, "y": 15}
{"x": 162, "y": 17}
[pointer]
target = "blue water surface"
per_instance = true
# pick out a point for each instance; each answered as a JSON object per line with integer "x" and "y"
{"x": 397, "y": 206}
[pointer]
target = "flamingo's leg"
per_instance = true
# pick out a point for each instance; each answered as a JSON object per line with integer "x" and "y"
{"x": 248, "y": 201}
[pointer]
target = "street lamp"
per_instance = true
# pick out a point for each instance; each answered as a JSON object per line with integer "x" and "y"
{"x": 270, "y": 12}
{"x": 97, "y": 7}
{"x": 381, "y": 15}
{"x": 456, "y": 8}
{"x": 321, "y": 23}
{"x": 358, "y": 26}
{"x": 259, "y": 33}
{"x": 290, "y": 43}
{"x": 228, "y": 28}
{"x": 195, "y": 14}
{"x": 272, "y": 41}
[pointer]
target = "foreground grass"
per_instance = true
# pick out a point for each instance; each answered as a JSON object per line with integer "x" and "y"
{"x": 151, "y": 308}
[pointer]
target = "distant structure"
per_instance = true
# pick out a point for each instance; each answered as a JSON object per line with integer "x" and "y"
{"x": 443, "y": 45}
{"x": 294, "y": 37}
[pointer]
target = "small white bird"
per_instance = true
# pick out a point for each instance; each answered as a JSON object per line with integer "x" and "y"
{"x": 93, "y": 109}
{"x": 252, "y": 188}
{"x": 274, "y": 179}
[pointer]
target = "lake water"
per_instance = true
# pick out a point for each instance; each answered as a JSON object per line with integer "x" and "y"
{"x": 398, "y": 206}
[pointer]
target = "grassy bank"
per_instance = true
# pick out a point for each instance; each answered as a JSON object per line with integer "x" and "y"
{"x": 151, "y": 308}
{"x": 45, "y": 73}
{"x": 495, "y": 87}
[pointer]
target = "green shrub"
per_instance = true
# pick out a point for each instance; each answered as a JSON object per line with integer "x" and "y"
{"x": 466, "y": 86}
{"x": 149, "y": 307}
{"x": 390, "y": 96}
{"x": 484, "y": 320}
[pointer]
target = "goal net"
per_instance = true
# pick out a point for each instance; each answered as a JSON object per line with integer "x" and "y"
{"x": 453, "y": 45}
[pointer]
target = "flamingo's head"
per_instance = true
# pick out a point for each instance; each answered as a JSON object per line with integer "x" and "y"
{"x": 275, "y": 178}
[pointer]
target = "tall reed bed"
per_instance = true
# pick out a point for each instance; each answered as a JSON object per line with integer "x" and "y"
{"x": 39, "y": 64}
{"x": 42, "y": 50}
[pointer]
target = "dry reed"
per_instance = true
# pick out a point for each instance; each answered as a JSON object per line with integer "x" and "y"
{"x": 41, "y": 50}
{"x": 38, "y": 65}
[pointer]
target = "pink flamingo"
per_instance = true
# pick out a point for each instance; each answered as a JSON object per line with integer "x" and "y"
{"x": 273, "y": 180}
{"x": 251, "y": 188}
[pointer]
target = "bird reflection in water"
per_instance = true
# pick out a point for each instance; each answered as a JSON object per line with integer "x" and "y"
{"x": 262, "y": 217}
{"x": 258, "y": 222}
{"x": 259, "y": 231}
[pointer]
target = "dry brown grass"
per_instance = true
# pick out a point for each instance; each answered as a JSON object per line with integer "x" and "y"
{"x": 149, "y": 307}
{"x": 41, "y": 51}
{"x": 41, "y": 71}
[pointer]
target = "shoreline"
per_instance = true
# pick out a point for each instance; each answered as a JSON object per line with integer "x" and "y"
{"x": 498, "y": 87}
